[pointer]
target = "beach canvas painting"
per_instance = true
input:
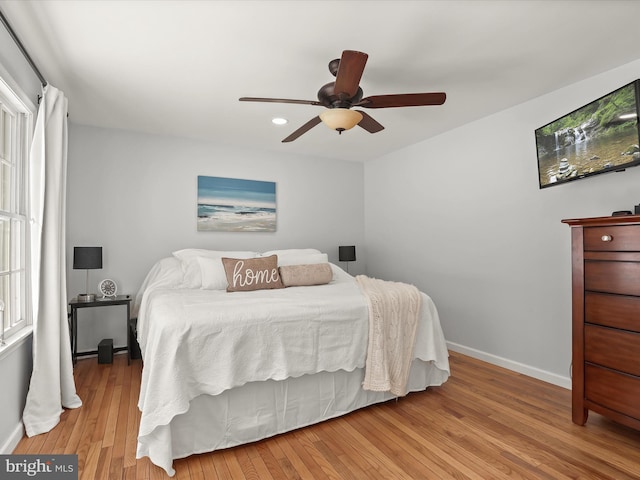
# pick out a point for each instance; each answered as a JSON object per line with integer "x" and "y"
{"x": 236, "y": 205}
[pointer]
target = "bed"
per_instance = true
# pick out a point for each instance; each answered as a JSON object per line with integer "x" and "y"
{"x": 226, "y": 368}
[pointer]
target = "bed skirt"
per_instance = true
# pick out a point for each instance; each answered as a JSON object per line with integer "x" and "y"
{"x": 260, "y": 410}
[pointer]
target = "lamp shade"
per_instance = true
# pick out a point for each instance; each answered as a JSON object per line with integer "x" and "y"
{"x": 340, "y": 119}
{"x": 347, "y": 253}
{"x": 87, "y": 258}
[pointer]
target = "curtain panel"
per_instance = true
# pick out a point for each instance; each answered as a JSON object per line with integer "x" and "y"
{"x": 52, "y": 386}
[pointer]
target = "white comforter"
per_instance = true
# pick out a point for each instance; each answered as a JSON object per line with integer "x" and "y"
{"x": 206, "y": 341}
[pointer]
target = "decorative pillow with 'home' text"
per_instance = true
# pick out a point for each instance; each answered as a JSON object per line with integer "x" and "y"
{"x": 252, "y": 273}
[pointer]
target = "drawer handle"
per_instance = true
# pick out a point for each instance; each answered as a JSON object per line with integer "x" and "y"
{"x": 606, "y": 238}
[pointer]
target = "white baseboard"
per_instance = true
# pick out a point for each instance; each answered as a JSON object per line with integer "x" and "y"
{"x": 13, "y": 440}
{"x": 559, "y": 380}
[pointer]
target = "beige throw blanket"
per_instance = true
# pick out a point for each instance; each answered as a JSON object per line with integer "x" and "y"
{"x": 394, "y": 309}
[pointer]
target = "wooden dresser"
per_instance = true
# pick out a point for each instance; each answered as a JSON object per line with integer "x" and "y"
{"x": 606, "y": 318}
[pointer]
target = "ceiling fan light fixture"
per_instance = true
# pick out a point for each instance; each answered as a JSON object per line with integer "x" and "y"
{"x": 340, "y": 119}
{"x": 279, "y": 121}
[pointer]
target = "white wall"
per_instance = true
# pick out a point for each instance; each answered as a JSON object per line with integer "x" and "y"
{"x": 15, "y": 373}
{"x": 16, "y": 71}
{"x": 462, "y": 217}
{"x": 135, "y": 195}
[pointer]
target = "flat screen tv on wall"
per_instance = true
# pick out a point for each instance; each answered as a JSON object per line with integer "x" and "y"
{"x": 600, "y": 137}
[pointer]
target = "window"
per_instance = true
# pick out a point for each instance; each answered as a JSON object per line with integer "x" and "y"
{"x": 14, "y": 141}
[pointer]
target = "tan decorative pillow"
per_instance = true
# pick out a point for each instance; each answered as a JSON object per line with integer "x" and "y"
{"x": 304, "y": 275}
{"x": 245, "y": 274}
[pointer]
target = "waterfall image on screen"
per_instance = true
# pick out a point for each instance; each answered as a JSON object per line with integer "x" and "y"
{"x": 599, "y": 137}
{"x": 236, "y": 205}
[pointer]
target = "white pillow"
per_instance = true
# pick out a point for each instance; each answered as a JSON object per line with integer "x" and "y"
{"x": 290, "y": 251}
{"x": 191, "y": 267}
{"x": 213, "y": 274}
{"x": 302, "y": 259}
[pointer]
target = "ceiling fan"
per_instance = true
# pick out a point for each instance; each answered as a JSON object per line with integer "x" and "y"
{"x": 343, "y": 94}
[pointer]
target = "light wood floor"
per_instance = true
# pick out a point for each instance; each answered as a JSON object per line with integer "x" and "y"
{"x": 485, "y": 422}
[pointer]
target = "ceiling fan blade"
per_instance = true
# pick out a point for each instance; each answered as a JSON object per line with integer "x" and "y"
{"x": 350, "y": 72}
{"x": 368, "y": 123}
{"x": 403, "y": 100}
{"x": 303, "y": 129}
{"x": 279, "y": 100}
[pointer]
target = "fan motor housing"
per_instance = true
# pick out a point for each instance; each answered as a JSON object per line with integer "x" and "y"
{"x": 328, "y": 98}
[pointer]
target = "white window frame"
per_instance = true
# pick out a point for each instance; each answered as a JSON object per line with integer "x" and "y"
{"x": 16, "y": 122}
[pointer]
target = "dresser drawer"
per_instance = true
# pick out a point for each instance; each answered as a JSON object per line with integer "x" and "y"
{"x": 612, "y": 348}
{"x": 617, "y": 238}
{"x": 617, "y": 391}
{"x": 616, "y": 311}
{"x": 612, "y": 277}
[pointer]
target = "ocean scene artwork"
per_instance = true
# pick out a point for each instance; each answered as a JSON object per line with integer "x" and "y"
{"x": 236, "y": 205}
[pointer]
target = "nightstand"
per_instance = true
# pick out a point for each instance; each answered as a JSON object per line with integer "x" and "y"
{"x": 75, "y": 305}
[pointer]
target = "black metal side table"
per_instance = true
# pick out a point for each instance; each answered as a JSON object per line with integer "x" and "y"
{"x": 75, "y": 305}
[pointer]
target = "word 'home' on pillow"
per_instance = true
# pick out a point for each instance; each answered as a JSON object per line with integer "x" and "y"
{"x": 252, "y": 273}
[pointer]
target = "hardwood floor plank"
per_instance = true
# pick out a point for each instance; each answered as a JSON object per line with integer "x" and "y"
{"x": 112, "y": 417}
{"x": 485, "y": 422}
{"x": 156, "y": 473}
{"x": 220, "y": 466}
{"x": 293, "y": 455}
{"x": 129, "y": 473}
{"x": 232, "y": 463}
{"x": 89, "y": 467}
{"x": 52, "y": 437}
{"x": 396, "y": 446}
{"x": 348, "y": 454}
{"x": 119, "y": 440}
{"x": 116, "y": 468}
{"x": 142, "y": 468}
{"x": 30, "y": 445}
{"x": 269, "y": 460}
{"x": 102, "y": 413}
{"x": 81, "y": 421}
{"x": 133, "y": 419}
{"x": 195, "y": 468}
{"x": 369, "y": 450}
{"x": 315, "y": 462}
{"x": 259, "y": 463}
{"x": 425, "y": 443}
{"x": 181, "y": 467}
{"x": 208, "y": 469}
{"x": 104, "y": 462}
{"x": 246, "y": 465}
{"x": 341, "y": 463}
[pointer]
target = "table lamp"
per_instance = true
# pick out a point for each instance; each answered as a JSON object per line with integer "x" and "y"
{"x": 87, "y": 258}
{"x": 347, "y": 254}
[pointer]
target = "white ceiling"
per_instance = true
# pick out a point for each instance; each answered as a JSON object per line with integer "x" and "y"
{"x": 179, "y": 67}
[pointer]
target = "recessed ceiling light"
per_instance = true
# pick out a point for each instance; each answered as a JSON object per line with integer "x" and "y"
{"x": 279, "y": 121}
